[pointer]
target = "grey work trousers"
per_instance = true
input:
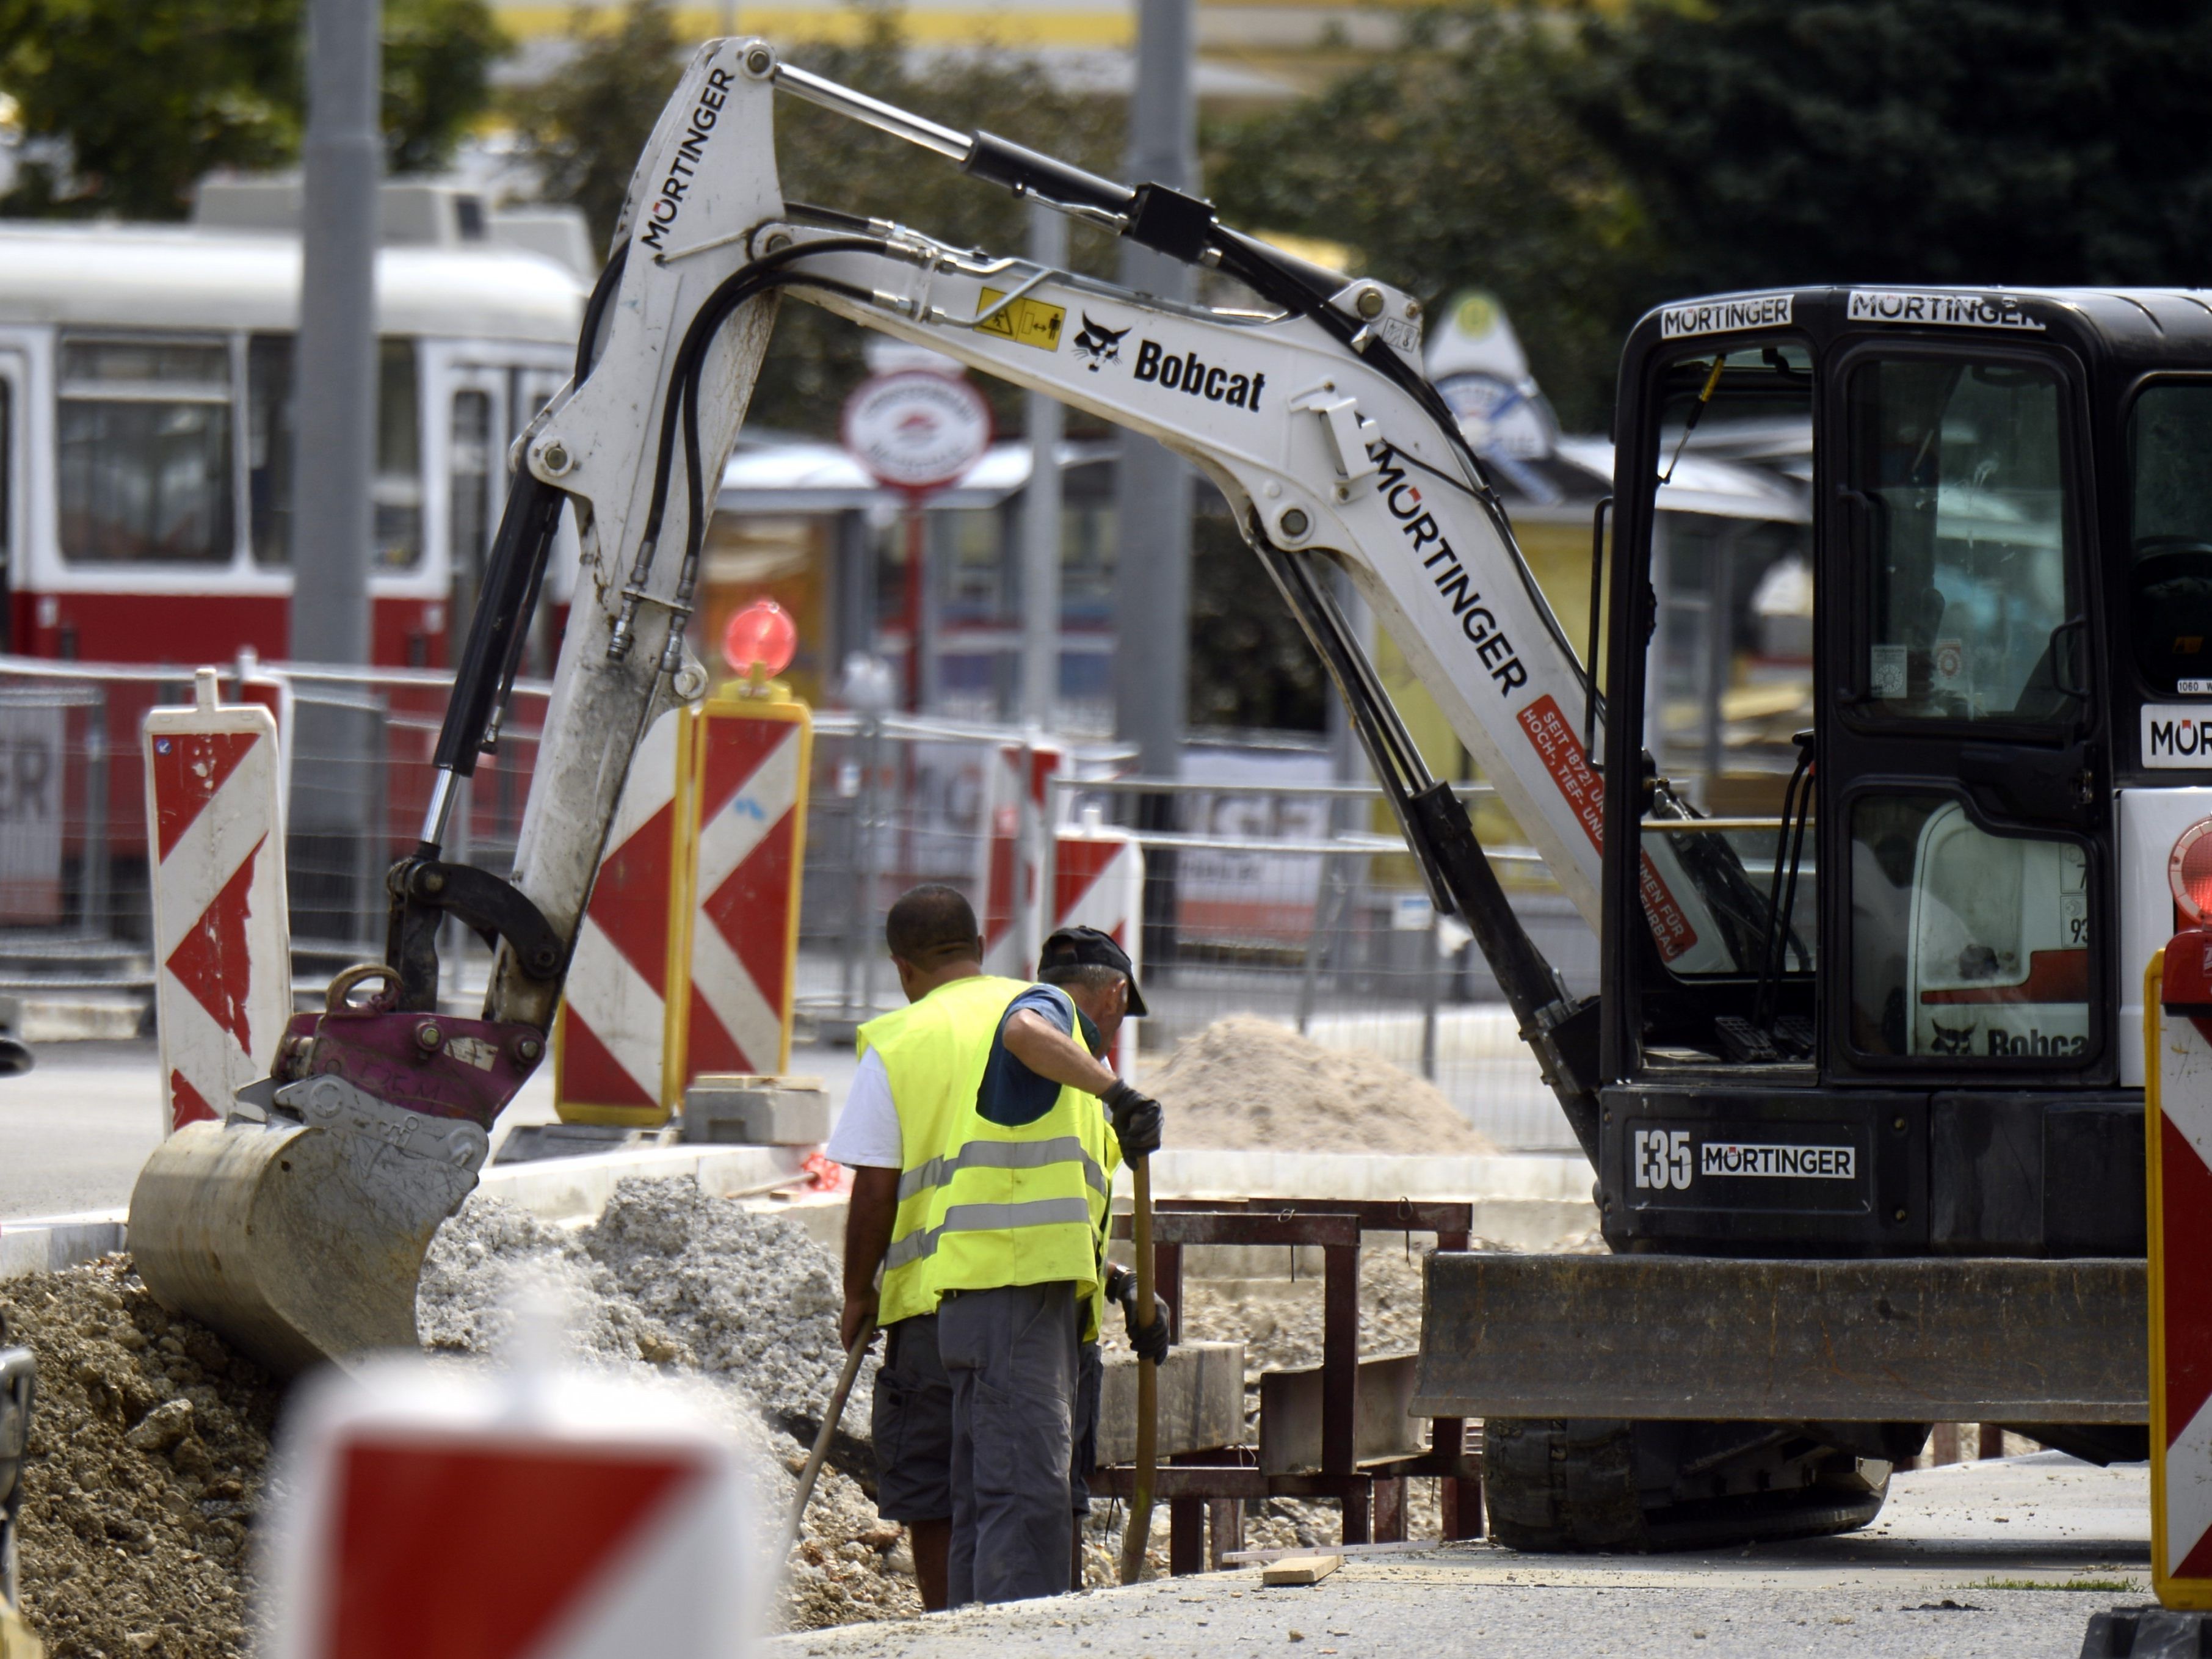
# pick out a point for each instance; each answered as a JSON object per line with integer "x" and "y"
{"x": 1010, "y": 1353}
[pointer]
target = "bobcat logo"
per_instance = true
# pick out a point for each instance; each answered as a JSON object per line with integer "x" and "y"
{"x": 1953, "y": 1041}
{"x": 1099, "y": 344}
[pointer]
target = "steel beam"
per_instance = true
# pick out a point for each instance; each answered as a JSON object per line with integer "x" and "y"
{"x": 1919, "y": 1340}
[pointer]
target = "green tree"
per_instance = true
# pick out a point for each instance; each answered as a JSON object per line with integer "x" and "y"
{"x": 585, "y": 124}
{"x": 143, "y": 98}
{"x": 1458, "y": 159}
{"x": 438, "y": 58}
{"x": 827, "y": 159}
{"x": 1969, "y": 141}
{"x": 147, "y": 95}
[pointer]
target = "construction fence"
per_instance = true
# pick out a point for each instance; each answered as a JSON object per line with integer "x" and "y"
{"x": 1266, "y": 887}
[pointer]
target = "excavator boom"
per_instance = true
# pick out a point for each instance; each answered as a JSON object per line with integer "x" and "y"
{"x": 298, "y": 1226}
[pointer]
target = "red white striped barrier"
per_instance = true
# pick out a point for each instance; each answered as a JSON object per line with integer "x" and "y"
{"x": 1013, "y": 878}
{"x": 748, "y": 822}
{"x": 1098, "y": 881}
{"x": 2177, "y": 1131}
{"x": 472, "y": 1516}
{"x": 613, "y": 1034}
{"x": 686, "y": 957}
{"x": 222, "y": 991}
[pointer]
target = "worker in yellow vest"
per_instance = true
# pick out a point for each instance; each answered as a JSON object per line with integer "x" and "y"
{"x": 1015, "y": 1247}
{"x": 920, "y": 1068}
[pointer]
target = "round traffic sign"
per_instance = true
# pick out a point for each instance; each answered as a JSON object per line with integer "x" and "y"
{"x": 916, "y": 430}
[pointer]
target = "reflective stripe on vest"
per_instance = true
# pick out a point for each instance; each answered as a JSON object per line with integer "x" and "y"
{"x": 1000, "y": 1155}
{"x": 991, "y": 1217}
{"x": 934, "y": 1052}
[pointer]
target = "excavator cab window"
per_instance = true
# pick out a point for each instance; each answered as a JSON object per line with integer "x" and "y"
{"x": 2169, "y": 536}
{"x": 1969, "y": 900}
{"x": 1728, "y": 686}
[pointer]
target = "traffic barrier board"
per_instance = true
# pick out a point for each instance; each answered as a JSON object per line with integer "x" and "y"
{"x": 222, "y": 991}
{"x": 687, "y": 959}
{"x": 2178, "y": 1144}
{"x": 427, "y": 1514}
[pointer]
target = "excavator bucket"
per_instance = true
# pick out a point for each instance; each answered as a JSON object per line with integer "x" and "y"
{"x": 300, "y": 1240}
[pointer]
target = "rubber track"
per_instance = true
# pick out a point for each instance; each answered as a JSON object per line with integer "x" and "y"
{"x": 1568, "y": 1487}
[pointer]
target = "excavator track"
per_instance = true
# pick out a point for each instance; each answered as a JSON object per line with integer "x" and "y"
{"x": 1579, "y": 1486}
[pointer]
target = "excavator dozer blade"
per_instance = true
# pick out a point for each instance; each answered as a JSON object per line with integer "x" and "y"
{"x": 302, "y": 1242}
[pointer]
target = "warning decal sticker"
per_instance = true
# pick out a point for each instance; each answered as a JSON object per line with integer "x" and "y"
{"x": 1561, "y": 752}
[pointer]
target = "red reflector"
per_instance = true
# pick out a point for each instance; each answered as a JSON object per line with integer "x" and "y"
{"x": 2189, "y": 870}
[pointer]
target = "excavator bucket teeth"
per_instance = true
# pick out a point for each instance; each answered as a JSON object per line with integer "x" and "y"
{"x": 298, "y": 1242}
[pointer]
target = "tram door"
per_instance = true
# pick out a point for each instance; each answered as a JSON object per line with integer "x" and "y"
{"x": 476, "y": 431}
{"x": 12, "y": 509}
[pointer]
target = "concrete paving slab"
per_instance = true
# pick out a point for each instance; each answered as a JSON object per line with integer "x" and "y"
{"x": 2002, "y": 1558}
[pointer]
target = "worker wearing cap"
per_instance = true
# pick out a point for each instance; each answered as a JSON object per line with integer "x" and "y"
{"x": 920, "y": 1069}
{"x": 1015, "y": 1247}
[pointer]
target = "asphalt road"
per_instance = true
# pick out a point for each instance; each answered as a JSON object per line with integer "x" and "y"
{"x": 1998, "y": 1542}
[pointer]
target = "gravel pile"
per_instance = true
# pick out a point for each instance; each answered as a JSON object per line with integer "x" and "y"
{"x": 674, "y": 1283}
{"x": 1245, "y": 1082}
{"x": 668, "y": 1275}
{"x": 147, "y": 1446}
{"x": 150, "y": 1436}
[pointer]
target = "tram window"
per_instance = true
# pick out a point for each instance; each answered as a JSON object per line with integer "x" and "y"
{"x": 7, "y": 478}
{"x": 1966, "y": 946}
{"x": 2170, "y": 538}
{"x": 469, "y": 472}
{"x": 397, "y": 487}
{"x": 268, "y": 439}
{"x": 1968, "y": 535}
{"x": 144, "y": 444}
{"x": 395, "y": 490}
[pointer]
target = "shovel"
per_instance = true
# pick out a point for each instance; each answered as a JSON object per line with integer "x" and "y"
{"x": 830, "y": 1419}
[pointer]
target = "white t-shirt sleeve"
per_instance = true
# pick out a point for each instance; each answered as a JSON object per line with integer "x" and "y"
{"x": 867, "y": 1136}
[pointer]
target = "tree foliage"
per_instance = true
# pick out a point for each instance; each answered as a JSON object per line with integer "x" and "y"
{"x": 437, "y": 59}
{"x": 1460, "y": 160}
{"x": 126, "y": 104}
{"x": 839, "y": 163}
{"x": 585, "y": 124}
{"x": 146, "y": 96}
{"x": 1936, "y": 141}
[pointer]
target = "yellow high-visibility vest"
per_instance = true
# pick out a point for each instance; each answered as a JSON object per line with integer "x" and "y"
{"x": 1022, "y": 1204}
{"x": 934, "y": 1052}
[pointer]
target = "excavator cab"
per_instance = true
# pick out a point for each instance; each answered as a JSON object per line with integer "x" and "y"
{"x": 1907, "y": 669}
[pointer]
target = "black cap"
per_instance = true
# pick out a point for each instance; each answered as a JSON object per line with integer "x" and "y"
{"x": 1070, "y": 947}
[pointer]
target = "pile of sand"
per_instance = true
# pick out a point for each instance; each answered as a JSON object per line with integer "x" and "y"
{"x": 148, "y": 1440}
{"x": 1245, "y": 1082}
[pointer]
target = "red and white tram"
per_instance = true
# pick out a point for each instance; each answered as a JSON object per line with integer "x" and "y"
{"x": 146, "y": 390}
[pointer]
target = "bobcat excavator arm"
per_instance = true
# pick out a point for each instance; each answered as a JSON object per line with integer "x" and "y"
{"x": 298, "y": 1226}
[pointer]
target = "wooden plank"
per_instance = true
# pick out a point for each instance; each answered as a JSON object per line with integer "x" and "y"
{"x": 1301, "y": 1570}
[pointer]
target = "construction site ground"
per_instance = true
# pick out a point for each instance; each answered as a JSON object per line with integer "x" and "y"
{"x": 2006, "y": 1557}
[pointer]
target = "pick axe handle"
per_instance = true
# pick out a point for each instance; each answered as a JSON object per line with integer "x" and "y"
{"x": 830, "y": 1419}
{"x": 1138, "y": 1533}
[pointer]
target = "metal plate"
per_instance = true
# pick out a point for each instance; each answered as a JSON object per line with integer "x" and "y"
{"x": 1966, "y": 1339}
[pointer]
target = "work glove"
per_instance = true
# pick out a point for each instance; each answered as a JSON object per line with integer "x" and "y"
{"x": 1150, "y": 1342}
{"x": 1136, "y": 1119}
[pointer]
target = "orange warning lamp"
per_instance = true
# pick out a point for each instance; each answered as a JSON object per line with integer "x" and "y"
{"x": 762, "y": 633}
{"x": 2189, "y": 870}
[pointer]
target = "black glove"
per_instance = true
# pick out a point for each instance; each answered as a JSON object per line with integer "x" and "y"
{"x": 1136, "y": 1118}
{"x": 1150, "y": 1342}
